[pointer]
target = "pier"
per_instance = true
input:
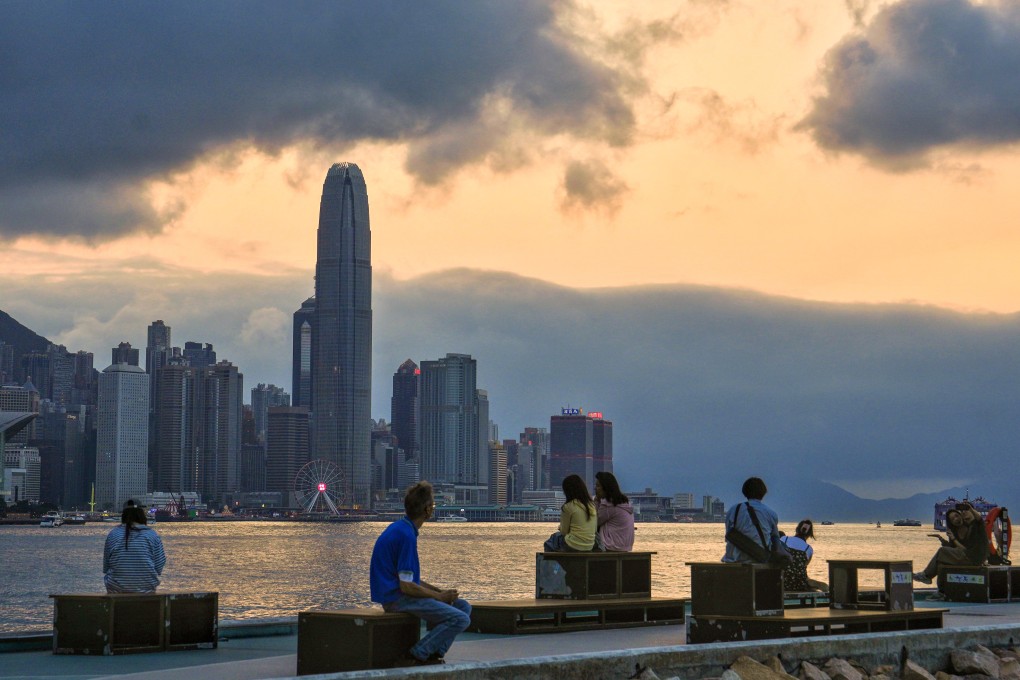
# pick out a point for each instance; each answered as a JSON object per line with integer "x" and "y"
{"x": 266, "y": 648}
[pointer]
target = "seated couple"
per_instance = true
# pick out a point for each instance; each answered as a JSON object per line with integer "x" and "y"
{"x": 966, "y": 544}
{"x": 603, "y": 523}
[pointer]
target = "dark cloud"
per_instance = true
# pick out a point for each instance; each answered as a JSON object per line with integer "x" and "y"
{"x": 590, "y": 184}
{"x": 112, "y": 94}
{"x": 923, "y": 75}
{"x": 704, "y": 386}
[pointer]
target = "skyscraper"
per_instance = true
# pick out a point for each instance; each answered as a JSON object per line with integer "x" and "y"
{"x": 404, "y": 408}
{"x": 449, "y": 420}
{"x": 124, "y": 354}
{"x": 342, "y": 331}
{"x": 123, "y": 435}
{"x": 262, "y": 398}
{"x": 301, "y": 368}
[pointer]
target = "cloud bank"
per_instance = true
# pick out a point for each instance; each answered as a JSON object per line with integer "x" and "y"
{"x": 101, "y": 98}
{"x": 922, "y": 76}
{"x": 704, "y": 386}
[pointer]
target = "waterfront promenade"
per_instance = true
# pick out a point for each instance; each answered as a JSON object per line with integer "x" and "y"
{"x": 267, "y": 649}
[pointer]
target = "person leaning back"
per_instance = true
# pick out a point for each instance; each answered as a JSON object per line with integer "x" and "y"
{"x": 395, "y": 579}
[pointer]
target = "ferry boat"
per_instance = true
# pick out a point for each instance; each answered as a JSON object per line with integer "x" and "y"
{"x": 51, "y": 519}
{"x": 907, "y": 523}
{"x": 453, "y": 518}
{"x": 827, "y": 523}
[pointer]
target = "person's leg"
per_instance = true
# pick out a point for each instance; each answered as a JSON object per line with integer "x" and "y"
{"x": 556, "y": 543}
{"x": 445, "y": 621}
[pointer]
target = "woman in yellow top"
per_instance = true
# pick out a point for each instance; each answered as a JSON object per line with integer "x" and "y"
{"x": 578, "y": 519}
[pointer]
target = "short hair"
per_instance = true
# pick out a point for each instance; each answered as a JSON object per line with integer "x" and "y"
{"x": 417, "y": 499}
{"x": 754, "y": 489}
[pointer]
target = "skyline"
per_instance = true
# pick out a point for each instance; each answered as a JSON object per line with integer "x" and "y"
{"x": 558, "y": 152}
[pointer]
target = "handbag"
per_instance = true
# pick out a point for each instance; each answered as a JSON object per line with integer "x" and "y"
{"x": 778, "y": 555}
{"x": 745, "y": 543}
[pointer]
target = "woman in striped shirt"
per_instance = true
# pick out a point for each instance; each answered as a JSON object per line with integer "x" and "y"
{"x": 133, "y": 558}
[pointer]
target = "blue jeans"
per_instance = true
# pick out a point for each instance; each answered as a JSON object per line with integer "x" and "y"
{"x": 444, "y": 621}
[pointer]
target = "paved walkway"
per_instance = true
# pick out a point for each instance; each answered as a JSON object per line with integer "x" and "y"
{"x": 260, "y": 658}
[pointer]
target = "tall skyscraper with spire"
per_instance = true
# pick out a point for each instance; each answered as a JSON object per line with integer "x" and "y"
{"x": 342, "y": 332}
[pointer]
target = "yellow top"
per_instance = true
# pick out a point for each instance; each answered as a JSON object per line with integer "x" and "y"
{"x": 578, "y": 530}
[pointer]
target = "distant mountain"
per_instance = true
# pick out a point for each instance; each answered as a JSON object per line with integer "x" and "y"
{"x": 23, "y": 339}
{"x": 797, "y": 499}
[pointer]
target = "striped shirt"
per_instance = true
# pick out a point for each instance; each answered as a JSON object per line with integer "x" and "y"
{"x": 135, "y": 568}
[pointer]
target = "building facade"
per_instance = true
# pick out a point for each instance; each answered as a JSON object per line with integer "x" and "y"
{"x": 301, "y": 364}
{"x": 404, "y": 408}
{"x": 122, "y": 447}
{"x": 449, "y": 420}
{"x": 342, "y": 332}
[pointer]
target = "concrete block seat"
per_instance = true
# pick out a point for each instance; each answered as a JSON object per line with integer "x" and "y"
{"x": 976, "y": 584}
{"x": 344, "y": 640}
{"x": 593, "y": 575}
{"x": 512, "y": 617}
{"x": 124, "y": 623}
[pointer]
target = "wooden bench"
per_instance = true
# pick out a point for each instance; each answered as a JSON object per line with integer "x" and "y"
{"x": 845, "y": 591}
{"x": 593, "y": 575}
{"x": 124, "y": 623}
{"x": 353, "y": 639}
{"x": 512, "y": 617}
{"x": 806, "y": 622}
{"x": 975, "y": 584}
{"x": 736, "y": 589}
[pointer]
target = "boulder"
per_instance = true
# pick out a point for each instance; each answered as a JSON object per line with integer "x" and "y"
{"x": 809, "y": 671}
{"x": 912, "y": 671}
{"x": 1009, "y": 668}
{"x": 729, "y": 675}
{"x": 840, "y": 669}
{"x": 978, "y": 662}
{"x": 749, "y": 669}
{"x": 942, "y": 675}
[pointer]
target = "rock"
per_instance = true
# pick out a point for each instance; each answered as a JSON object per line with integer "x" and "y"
{"x": 729, "y": 675}
{"x": 775, "y": 664}
{"x": 809, "y": 671}
{"x": 981, "y": 662}
{"x": 1009, "y": 668}
{"x": 840, "y": 669}
{"x": 887, "y": 669}
{"x": 644, "y": 673}
{"x": 880, "y": 676}
{"x": 942, "y": 675}
{"x": 912, "y": 671}
{"x": 747, "y": 668}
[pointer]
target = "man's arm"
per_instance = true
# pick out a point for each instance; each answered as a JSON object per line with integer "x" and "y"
{"x": 411, "y": 589}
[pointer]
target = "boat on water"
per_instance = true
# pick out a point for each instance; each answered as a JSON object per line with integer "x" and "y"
{"x": 827, "y": 523}
{"x": 76, "y": 519}
{"x": 907, "y": 522}
{"x": 51, "y": 519}
{"x": 453, "y": 518}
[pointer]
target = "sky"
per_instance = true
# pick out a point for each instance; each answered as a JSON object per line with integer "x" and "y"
{"x": 551, "y": 181}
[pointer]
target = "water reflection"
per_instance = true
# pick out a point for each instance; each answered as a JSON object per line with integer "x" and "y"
{"x": 279, "y": 568}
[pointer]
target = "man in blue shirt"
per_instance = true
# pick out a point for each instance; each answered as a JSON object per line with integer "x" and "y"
{"x": 739, "y": 518}
{"x": 395, "y": 578}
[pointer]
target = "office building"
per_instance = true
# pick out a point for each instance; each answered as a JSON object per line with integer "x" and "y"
{"x": 579, "y": 444}
{"x": 124, "y": 354}
{"x": 538, "y": 439}
{"x": 287, "y": 446}
{"x": 22, "y": 468}
{"x": 497, "y": 478}
{"x": 301, "y": 366}
{"x": 222, "y": 406}
{"x": 404, "y": 408}
{"x": 448, "y": 425}
{"x": 264, "y": 397}
{"x": 342, "y": 332}
{"x": 198, "y": 354}
{"x": 122, "y": 435}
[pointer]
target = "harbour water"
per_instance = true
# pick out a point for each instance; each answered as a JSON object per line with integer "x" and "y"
{"x": 268, "y": 569}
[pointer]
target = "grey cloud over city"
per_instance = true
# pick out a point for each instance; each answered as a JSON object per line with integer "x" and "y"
{"x": 704, "y": 386}
{"x": 100, "y": 97}
{"x": 920, "y": 76}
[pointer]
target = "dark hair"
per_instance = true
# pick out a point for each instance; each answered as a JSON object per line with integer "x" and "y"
{"x": 575, "y": 489}
{"x": 805, "y": 529}
{"x": 611, "y": 488}
{"x": 754, "y": 489}
{"x": 130, "y": 516}
{"x": 417, "y": 499}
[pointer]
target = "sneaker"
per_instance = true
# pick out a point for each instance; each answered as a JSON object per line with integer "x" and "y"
{"x": 921, "y": 578}
{"x": 408, "y": 660}
{"x": 434, "y": 658}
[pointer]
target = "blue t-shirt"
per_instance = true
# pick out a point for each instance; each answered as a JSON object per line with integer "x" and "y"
{"x": 395, "y": 550}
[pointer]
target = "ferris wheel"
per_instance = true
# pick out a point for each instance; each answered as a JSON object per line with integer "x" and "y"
{"x": 319, "y": 486}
